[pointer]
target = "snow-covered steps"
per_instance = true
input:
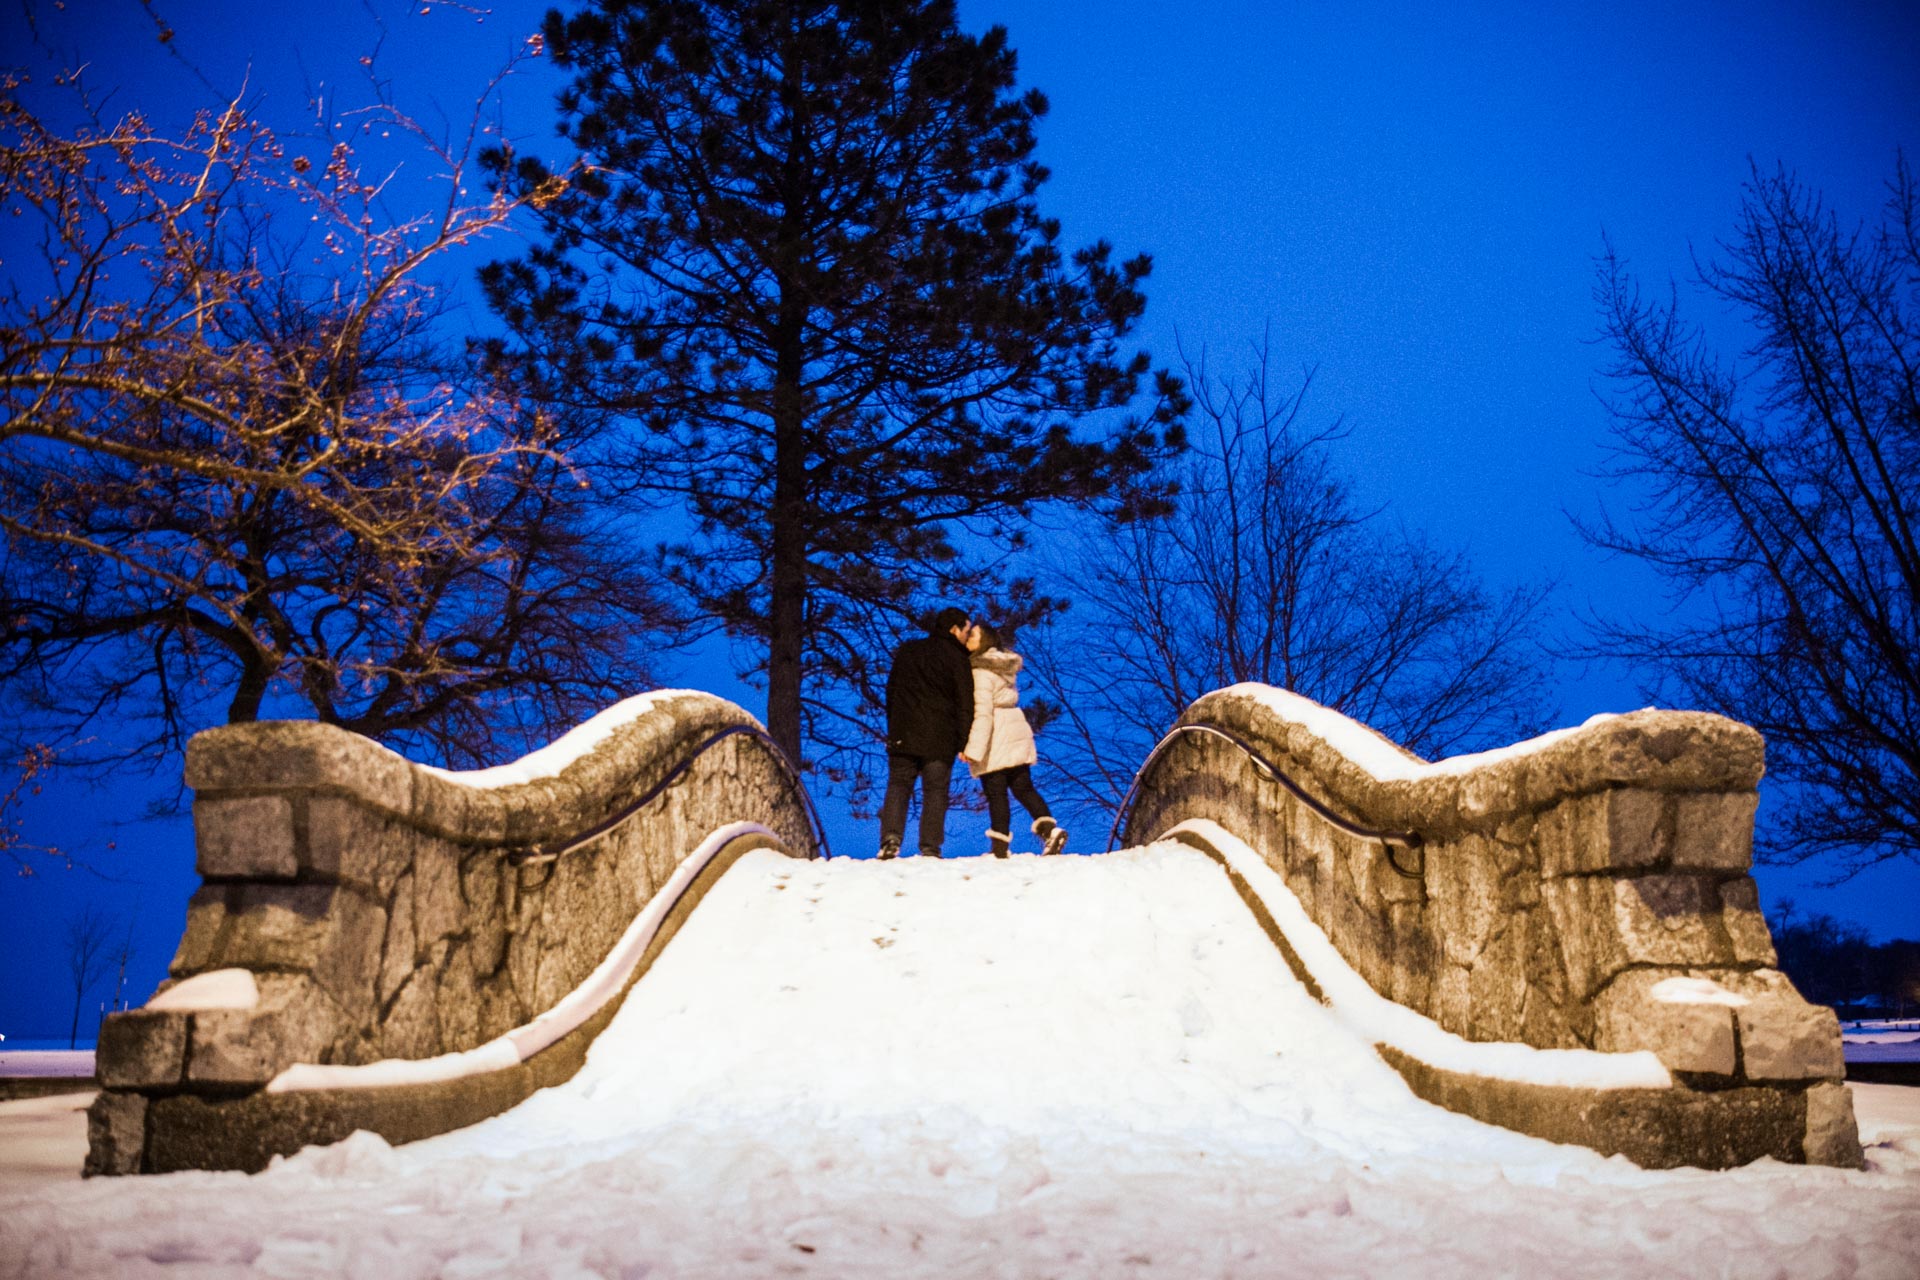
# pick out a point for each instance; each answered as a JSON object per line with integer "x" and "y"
{"x": 1130, "y": 993}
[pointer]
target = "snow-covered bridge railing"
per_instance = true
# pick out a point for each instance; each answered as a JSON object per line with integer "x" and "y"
{"x": 1582, "y": 954}
{"x": 382, "y": 945}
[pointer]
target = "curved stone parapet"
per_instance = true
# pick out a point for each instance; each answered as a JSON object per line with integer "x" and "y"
{"x": 1585, "y": 890}
{"x": 359, "y": 910}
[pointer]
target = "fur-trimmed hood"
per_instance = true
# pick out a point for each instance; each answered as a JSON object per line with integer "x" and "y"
{"x": 1001, "y": 662}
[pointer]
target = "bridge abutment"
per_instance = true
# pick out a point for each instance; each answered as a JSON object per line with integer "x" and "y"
{"x": 359, "y": 909}
{"x": 1586, "y": 892}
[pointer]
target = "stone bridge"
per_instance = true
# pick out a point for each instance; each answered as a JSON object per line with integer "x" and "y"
{"x": 1561, "y": 938}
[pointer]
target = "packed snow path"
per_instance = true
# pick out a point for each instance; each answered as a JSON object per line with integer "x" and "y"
{"x": 1064, "y": 1067}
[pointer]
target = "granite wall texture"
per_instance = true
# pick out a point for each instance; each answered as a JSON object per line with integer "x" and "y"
{"x": 388, "y": 911}
{"x": 1558, "y": 889}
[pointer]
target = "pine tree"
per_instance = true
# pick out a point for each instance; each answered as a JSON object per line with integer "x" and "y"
{"x": 801, "y": 270}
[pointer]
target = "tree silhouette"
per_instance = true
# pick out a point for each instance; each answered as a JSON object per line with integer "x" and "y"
{"x": 1268, "y": 569}
{"x": 803, "y": 271}
{"x": 1779, "y": 496}
{"x": 87, "y": 941}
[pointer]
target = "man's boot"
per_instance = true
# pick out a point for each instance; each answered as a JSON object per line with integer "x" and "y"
{"x": 889, "y": 848}
{"x": 1053, "y": 836}
{"x": 929, "y": 850}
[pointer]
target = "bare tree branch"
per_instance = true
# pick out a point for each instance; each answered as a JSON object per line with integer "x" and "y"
{"x": 1268, "y": 570}
{"x": 1776, "y": 494}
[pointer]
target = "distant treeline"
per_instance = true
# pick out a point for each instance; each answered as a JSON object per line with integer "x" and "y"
{"x": 1833, "y": 962}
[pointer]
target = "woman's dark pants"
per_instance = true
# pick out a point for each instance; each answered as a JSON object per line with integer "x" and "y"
{"x": 1018, "y": 780}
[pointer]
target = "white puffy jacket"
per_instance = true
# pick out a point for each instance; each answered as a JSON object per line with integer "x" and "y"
{"x": 1001, "y": 737}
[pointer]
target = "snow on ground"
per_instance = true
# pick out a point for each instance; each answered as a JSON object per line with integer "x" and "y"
{"x": 1075, "y": 1067}
{"x": 42, "y": 1139}
{"x": 1885, "y": 1041}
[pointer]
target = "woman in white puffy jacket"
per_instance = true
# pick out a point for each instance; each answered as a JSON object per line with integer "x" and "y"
{"x": 1000, "y": 748}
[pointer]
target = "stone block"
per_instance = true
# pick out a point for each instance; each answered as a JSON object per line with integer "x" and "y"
{"x": 293, "y": 1022}
{"x": 1497, "y": 985}
{"x": 541, "y": 810}
{"x": 1545, "y": 1024}
{"x": 1746, "y": 927}
{"x": 349, "y": 969}
{"x": 483, "y": 891}
{"x": 245, "y": 837}
{"x": 523, "y": 962}
{"x": 116, "y": 1134}
{"x": 1624, "y": 829}
{"x": 457, "y": 1002}
{"x": 398, "y": 950}
{"x": 1545, "y": 971}
{"x": 1414, "y": 954}
{"x": 439, "y": 905}
{"x": 1833, "y": 1137}
{"x": 1581, "y": 909}
{"x": 1553, "y": 838}
{"x": 200, "y": 941}
{"x": 553, "y": 975}
{"x": 1654, "y": 1128}
{"x": 1714, "y": 832}
{"x": 1394, "y": 888}
{"x": 1489, "y": 791}
{"x": 1691, "y": 1036}
{"x": 411, "y": 1028}
{"x": 278, "y": 926}
{"x": 1670, "y": 920}
{"x": 328, "y": 931}
{"x": 1466, "y": 901}
{"x": 303, "y": 754}
{"x": 1782, "y": 1037}
{"x": 1639, "y": 831}
{"x": 499, "y": 1009}
{"x": 447, "y": 808}
{"x": 142, "y": 1049}
{"x": 627, "y": 865}
{"x": 350, "y": 843}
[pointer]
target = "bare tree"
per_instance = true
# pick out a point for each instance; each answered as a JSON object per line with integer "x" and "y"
{"x": 243, "y": 470}
{"x": 87, "y": 957}
{"x": 25, "y": 854}
{"x": 1269, "y": 570}
{"x": 1778, "y": 494}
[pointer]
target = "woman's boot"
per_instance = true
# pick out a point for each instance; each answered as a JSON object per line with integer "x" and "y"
{"x": 998, "y": 843}
{"x": 1053, "y": 836}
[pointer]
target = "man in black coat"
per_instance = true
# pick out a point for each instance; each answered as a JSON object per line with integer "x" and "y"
{"x": 929, "y": 710}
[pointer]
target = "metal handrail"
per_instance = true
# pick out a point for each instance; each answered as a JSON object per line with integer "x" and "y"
{"x": 548, "y": 851}
{"x": 1267, "y": 768}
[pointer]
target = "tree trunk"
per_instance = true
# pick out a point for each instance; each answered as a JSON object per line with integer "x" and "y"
{"x": 787, "y": 609}
{"x": 249, "y": 693}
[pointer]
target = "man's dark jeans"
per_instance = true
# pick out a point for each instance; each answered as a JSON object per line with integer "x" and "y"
{"x": 935, "y": 775}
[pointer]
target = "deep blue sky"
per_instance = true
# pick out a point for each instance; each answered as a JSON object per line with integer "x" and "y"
{"x": 1409, "y": 197}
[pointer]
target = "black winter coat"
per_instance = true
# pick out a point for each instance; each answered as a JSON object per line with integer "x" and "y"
{"x": 929, "y": 698}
